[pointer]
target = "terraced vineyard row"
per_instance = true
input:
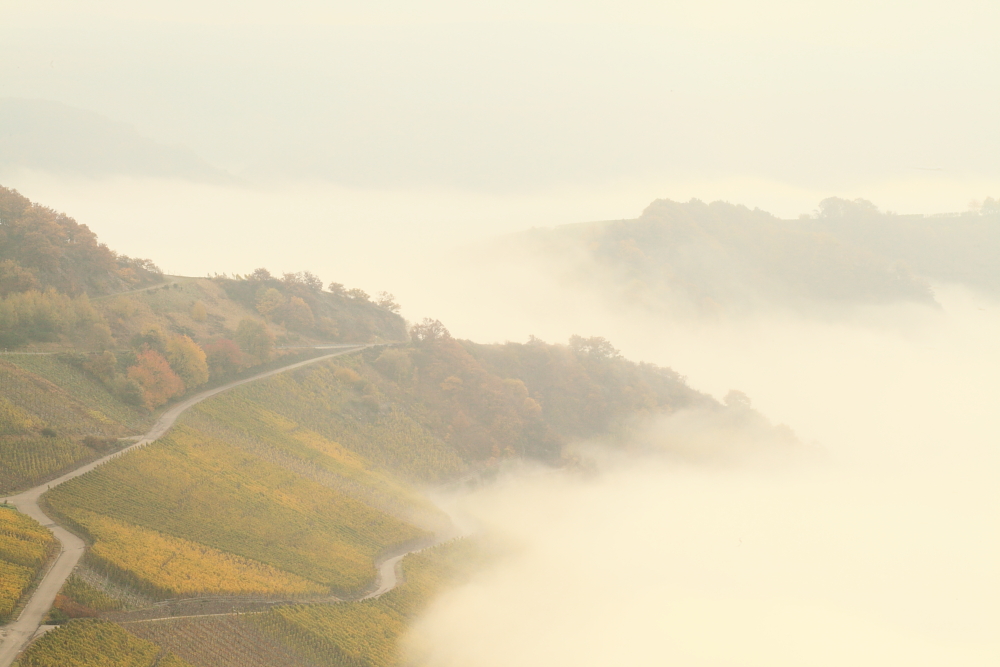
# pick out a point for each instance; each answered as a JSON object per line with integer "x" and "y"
{"x": 223, "y": 641}
{"x": 24, "y": 547}
{"x": 27, "y": 460}
{"x": 218, "y": 496}
{"x": 94, "y": 643}
{"x": 81, "y": 387}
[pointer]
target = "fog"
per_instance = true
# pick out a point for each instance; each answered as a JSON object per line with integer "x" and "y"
{"x": 874, "y": 543}
{"x": 387, "y": 146}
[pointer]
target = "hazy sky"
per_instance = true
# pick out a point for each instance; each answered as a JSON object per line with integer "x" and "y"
{"x": 374, "y": 138}
{"x": 771, "y": 102}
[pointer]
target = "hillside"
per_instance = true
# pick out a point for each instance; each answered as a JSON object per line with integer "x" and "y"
{"x": 273, "y": 500}
{"x": 704, "y": 259}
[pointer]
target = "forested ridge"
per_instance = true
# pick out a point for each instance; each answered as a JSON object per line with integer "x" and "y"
{"x": 715, "y": 258}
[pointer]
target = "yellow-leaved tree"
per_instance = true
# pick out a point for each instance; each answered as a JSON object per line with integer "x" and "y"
{"x": 188, "y": 360}
{"x": 198, "y": 312}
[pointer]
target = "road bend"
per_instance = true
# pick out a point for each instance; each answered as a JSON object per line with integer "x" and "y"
{"x": 71, "y": 547}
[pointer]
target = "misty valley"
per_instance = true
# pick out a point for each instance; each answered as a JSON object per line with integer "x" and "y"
{"x": 261, "y": 469}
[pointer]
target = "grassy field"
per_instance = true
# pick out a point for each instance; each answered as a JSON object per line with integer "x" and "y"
{"x": 207, "y": 491}
{"x": 24, "y": 547}
{"x": 93, "y": 643}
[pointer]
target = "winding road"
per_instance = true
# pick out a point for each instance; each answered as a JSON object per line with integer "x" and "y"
{"x": 20, "y": 631}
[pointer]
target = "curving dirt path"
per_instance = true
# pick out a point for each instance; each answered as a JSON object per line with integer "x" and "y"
{"x": 19, "y": 632}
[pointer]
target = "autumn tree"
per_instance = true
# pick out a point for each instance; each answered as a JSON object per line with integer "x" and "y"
{"x": 188, "y": 360}
{"x": 297, "y": 315}
{"x": 224, "y": 358}
{"x": 269, "y": 301}
{"x": 255, "y": 339}
{"x": 158, "y": 381}
{"x": 16, "y": 278}
{"x": 198, "y": 312}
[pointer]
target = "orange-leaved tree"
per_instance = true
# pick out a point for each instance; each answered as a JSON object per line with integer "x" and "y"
{"x": 158, "y": 381}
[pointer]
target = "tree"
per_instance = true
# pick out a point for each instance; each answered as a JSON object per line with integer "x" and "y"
{"x": 269, "y": 300}
{"x": 260, "y": 275}
{"x": 835, "y": 207}
{"x": 151, "y": 338}
{"x": 429, "y": 331}
{"x": 16, "y": 278}
{"x": 224, "y": 358}
{"x": 188, "y": 360}
{"x": 736, "y": 399}
{"x": 297, "y": 315}
{"x": 158, "y": 381}
{"x": 102, "y": 366}
{"x": 357, "y": 294}
{"x": 198, "y": 312}
{"x": 312, "y": 281}
{"x": 387, "y": 301}
{"x": 255, "y": 339}
{"x": 596, "y": 347}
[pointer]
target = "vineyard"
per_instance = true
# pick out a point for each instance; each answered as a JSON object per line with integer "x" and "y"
{"x": 162, "y": 566}
{"x": 93, "y": 643}
{"x": 277, "y": 439}
{"x": 348, "y": 634}
{"x": 24, "y": 548}
{"x": 222, "y": 641}
{"x": 353, "y": 413}
{"x": 50, "y": 405}
{"x": 367, "y": 633}
{"x": 24, "y": 461}
{"x": 81, "y": 387}
{"x": 80, "y": 592}
{"x": 46, "y": 409}
{"x": 219, "y": 496}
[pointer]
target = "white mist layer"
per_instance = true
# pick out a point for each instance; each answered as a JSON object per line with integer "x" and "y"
{"x": 882, "y": 552}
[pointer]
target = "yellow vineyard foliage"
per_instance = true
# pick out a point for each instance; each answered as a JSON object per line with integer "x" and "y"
{"x": 177, "y": 567}
{"x": 13, "y": 580}
{"x": 367, "y": 633}
{"x": 24, "y": 548}
{"x": 93, "y": 643}
{"x": 208, "y": 491}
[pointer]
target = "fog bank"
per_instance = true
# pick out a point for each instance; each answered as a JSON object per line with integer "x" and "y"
{"x": 881, "y": 551}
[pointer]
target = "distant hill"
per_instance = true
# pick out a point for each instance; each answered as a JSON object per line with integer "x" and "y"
{"x": 710, "y": 258}
{"x": 961, "y": 248}
{"x": 53, "y": 137}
